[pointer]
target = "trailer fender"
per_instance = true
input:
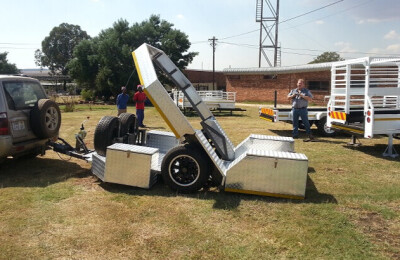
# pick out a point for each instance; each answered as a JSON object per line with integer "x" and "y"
{"x": 320, "y": 115}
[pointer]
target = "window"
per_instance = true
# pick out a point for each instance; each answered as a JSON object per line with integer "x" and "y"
{"x": 318, "y": 85}
{"x": 234, "y": 77}
{"x": 270, "y": 76}
{"x": 22, "y": 95}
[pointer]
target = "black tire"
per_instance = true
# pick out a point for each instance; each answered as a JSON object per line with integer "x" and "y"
{"x": 323, "y": 129}
{"x": 45, "y": 119}
{"x": 106, "y": 131}
{"x": 128, "y": 124}
{"x": 185, "y": 169}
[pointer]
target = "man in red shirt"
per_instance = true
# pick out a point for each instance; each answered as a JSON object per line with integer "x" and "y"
{"x": 139, "y": 99}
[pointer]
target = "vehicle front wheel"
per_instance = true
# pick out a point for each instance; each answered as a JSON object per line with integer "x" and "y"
{"x": 185, "y": 169}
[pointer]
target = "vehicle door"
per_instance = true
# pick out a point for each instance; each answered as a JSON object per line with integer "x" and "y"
{"x": 21, "y": 96}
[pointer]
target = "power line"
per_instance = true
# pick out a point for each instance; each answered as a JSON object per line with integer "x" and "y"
{"x": 311, "y": 11}
{"x": 252, "y": 46}
{"x": 342, "y": 11}
{"x": 240, "y": 34}
{"x": 237, "y": 35}
{"x": 16, "y": 48}
{"x": 17, "y": 43}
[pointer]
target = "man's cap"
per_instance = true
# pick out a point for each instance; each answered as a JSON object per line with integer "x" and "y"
{"x": 123, "y": 87}
{"x": 139, "y": 86}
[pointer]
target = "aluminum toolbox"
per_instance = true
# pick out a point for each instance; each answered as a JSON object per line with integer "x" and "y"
{"x": 131, "y": 165}
{"x": 269, "y": 173}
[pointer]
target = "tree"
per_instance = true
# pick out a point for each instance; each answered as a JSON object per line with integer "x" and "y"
{"x": 5, "y": 67}
{"x": 57, "y": 48}
{"x": 327, "y": 57}
{"x": 104, "y": 63}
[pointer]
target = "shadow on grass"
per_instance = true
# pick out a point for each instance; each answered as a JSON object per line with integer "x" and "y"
{"x": 339, "y": 138}
{"x": 222, "y": 200}
{"x": 43, "y": 172}
{"x": 376, "y": 150}
{"x": 39, "y": 172}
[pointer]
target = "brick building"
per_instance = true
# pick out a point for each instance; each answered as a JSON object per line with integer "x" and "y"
{"x": 259, "y": 84}
{"x": 203, "y": 79}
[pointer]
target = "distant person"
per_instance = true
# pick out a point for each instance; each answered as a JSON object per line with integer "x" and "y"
{"x": 122, "y": 101}
{"x": 140, "y": 98}
{"x": 300, "y": 97}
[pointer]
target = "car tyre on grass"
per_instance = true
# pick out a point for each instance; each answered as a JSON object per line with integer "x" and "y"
{"x": 106, "y": 131}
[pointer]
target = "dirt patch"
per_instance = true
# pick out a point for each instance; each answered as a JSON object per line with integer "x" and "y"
{"x": 88, "y": 183}
{"x": 381, "y": 232}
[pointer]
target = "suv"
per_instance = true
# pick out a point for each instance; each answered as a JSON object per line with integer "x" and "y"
{"x": 28, "y": 119}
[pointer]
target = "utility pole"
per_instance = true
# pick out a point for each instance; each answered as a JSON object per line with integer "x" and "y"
{"x": 268, "y": 17}
{"x": 213, "y": 44}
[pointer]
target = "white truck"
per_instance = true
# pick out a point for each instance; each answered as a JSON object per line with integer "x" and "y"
{"x": 216, "y": 100}
{"x": 365, "y": 98}
{"x": 316, "y": 116}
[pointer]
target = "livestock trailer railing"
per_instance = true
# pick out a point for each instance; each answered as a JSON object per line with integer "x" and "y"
{"x": 216, "y": 100}
{"x": 365, "y": 95}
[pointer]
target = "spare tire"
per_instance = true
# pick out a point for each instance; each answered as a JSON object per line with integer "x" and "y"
{"x": 106, "y": 131}
{"x": 45, "y": 118}
{"x": 128, "y": 124}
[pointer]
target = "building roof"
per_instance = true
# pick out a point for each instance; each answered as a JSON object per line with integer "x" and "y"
{"x": 326, "y": 66}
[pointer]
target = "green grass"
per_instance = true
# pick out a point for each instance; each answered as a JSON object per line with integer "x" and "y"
{"x": 55, "y": 208}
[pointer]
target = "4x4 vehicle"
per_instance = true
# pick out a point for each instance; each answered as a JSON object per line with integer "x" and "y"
{"x": 28, "y": 119}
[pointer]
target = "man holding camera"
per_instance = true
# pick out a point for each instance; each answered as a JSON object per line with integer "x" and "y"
{"x": 300, "y": 97}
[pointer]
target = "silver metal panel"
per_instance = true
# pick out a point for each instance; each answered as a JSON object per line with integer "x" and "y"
{"x": 129, "y": 148}
{"x": 274, "y": 173}
{"x": 272, "y": 137}
{"x": 192, "y": 95}
{"x": 278, "y": 154}
{"x": 213, "y": 123}
{"x": 130, "y": 165}
{"x": 221, "y": 165}
{"x": 146, "y": 67}
{"x": 164, "y": 141}
{"x": 166, "y": 63}
{"x": 156, "y": 164}
{"x": 265, "y": 143}
{"x": 98, "y": 165}
{"x": 170, "y": 112}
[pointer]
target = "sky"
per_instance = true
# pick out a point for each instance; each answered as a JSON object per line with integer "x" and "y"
{"x": 353, "y": 28}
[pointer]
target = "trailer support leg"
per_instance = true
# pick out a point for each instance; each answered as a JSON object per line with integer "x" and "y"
{"x": 354, "y": 141}
{"x": 390, "y": 151}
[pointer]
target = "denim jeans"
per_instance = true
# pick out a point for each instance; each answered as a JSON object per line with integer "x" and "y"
{"x": 303, "y": 114}
{"x": 140, "y": 116}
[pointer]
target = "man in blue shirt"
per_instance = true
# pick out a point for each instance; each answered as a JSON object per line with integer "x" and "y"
{"x": 300, "y": 97}
{"x": 122, "y": 101}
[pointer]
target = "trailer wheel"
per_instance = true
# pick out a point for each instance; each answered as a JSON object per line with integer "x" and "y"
{"x": 323, "y": 129}
{"x": 45, "y": 118}
{"x": 185, "y": 169}
{"x": 106, "y": 131}
{"x": 128, "y": 124}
